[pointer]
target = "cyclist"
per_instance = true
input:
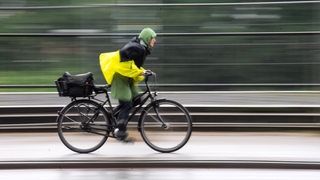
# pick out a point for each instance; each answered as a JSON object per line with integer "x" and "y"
{"x": 123, "y": 69}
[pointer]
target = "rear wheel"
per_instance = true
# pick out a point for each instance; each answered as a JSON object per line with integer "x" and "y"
{"x": 83, "y": 126}
{"x": 165, "y": 126}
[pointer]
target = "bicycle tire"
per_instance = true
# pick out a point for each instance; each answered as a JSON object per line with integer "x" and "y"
{"x": 72, "y": 130}
{"x": 178, "y": 126}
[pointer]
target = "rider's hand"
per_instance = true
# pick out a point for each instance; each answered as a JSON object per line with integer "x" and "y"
{"x": 145, "y": 71}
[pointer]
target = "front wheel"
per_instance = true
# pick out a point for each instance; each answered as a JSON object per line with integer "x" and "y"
{"x": 165, "y": 125}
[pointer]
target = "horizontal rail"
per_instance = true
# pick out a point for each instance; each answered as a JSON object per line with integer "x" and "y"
{"x": 75, "y": 34}
{"x": 195, "y": 125}
{"x": 257, "y": 125}
{"x": 189, "y": 85}
{"x": 24, "y": 118}
{"x": 155, "y": 5}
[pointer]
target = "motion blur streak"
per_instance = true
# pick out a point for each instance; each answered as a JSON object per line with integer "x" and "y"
{"x": 210, "y": 58}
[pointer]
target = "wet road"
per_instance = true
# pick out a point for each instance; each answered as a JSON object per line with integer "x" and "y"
{"x": 214, "y": 155}
{"x": 161, "y": 174}
{"x": 208, "y": 155}
{"x": 203, "y": 147}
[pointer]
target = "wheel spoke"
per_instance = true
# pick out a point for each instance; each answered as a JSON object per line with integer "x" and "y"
{"x": 83, "y": 126}
{"x": 166, "y": 127}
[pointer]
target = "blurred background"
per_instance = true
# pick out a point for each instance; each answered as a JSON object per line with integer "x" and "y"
{"x": 40, "y": 40}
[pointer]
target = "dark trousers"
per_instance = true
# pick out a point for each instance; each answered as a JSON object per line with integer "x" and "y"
{"x": 123, "y": 117}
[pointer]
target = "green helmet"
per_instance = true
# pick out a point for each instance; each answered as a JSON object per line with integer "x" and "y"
{"x": 146, "y": 35}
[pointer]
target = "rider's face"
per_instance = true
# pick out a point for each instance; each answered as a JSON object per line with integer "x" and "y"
{"x": 153, "y": 40}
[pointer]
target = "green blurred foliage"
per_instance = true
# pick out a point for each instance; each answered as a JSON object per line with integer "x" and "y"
{"x": 211, "y": 59}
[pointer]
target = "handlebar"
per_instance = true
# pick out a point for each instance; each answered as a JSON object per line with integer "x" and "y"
{"x": 149, "y": 73}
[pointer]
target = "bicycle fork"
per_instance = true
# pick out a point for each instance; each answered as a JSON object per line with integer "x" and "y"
{"x": 159, "y": 118}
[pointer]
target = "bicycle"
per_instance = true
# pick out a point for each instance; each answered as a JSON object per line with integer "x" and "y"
{"x": 85, "y": 124}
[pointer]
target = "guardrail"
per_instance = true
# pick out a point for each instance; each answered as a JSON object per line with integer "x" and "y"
{"x": 196, "y": 87}
{"x": 204, "y": 118}
{"x": 185, "y": 86}
{"x": 155, "y": 5}
{"x": 74, "y": 34}
{"x": 209, "y": 110}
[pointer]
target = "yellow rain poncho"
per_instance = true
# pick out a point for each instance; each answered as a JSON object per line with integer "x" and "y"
{"x": 117, "y": 74}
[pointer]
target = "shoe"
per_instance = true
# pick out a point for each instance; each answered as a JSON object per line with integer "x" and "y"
{"x": 123, "y": 136}
{"x": 128, "y": 140}
{"x": 120, "y": 134}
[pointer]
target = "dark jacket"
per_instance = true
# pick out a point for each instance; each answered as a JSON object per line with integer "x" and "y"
{"x": 134, "y": 50}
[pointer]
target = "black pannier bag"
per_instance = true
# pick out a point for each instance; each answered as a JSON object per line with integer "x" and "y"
{"x": 80, "y": 85}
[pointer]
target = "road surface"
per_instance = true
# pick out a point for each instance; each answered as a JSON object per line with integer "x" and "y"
{"x": 208, "y": 155}
{"x": 215, "y": 149}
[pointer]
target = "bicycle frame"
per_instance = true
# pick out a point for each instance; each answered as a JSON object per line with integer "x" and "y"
{"x": 98, "y": 117}
{"x": 113, "y": 112}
